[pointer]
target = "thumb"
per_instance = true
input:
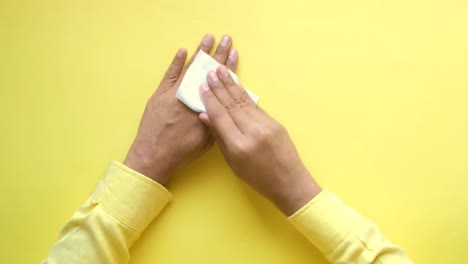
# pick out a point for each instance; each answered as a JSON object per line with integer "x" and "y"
{"x": 205, "y": 119}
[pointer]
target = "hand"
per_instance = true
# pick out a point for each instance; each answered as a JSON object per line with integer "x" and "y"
{"x": 170, "y": 133}
{"x": 257, "y": 148}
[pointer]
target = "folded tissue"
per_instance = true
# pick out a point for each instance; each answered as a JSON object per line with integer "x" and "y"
{"x": 189, "y": 93}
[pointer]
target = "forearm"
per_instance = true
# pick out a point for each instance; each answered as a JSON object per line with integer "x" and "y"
{"x": 343, "y": 235}
{"x": 111, "y": 220}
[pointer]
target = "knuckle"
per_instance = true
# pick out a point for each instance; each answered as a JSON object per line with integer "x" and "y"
{"x": 278, "y": 128}
{"x": 151, "y": 104}
{"x": 216, "y": 85}
{"x": 217, "y": 114}
{"x": 240, "y": 148}
{"x": 170, "y": 75}
{"x": 268, "y": 133}
{"x": 231, "y": 107}
{"x": 263, "y": 133}
{"x": 221, "y": 50}
{"x": 236, "y": 148}
{"x": 228, "y": 81}
{"x": 272, "y": 131}
{"x": 244, "y": 99}
{"x": 151, "y": 100}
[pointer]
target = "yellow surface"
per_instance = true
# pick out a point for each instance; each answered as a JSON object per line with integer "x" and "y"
{"x": 374, "y": 93}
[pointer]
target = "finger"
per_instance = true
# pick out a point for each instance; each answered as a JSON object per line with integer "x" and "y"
{"x": 240, "y": 117}
{"x": 219, "y": 119}
{"x": 222, "y": 51}
{"x": 236, "y": 91}
{"x": 206, "y": 120}
{"x": 209, "y": 143}
{"x": 220, "y": 92}
{"x": 240, "y": 96}
{"x": 205, "y": 45}
{"x": 173, "y": 72}
{"x": 232, "y": 60}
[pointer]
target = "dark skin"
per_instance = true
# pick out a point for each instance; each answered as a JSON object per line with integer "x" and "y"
{"x": 257, "y": 148}
{"x": 162, "y": 143}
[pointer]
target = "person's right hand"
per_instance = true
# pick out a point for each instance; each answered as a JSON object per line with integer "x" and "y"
{"x": 257, "y": 148}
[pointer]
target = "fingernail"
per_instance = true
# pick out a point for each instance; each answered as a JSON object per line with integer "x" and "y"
{"x": 225, "y": 40}
{"x": 208, "y": 40}
{"x": 224, "y": 72}
{"x": 181, "y": 52}
{"x": 232, "y": 55}
{"x": 213, "y": 76}
{"x": 204, "y": 87}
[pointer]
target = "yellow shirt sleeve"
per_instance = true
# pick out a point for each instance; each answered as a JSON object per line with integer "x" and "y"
{"x": 105, "y": 227}
{"x": 125, "y": 202}
{"x": 343, "y": 235}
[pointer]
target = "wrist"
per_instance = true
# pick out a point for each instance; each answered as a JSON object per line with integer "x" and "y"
{"x": 142, "y": 161}
{"x": 297, "y": 192}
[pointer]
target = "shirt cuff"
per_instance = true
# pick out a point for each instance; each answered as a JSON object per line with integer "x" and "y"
{"x": 325, "y": 221}
{"x": 131, "y": 197}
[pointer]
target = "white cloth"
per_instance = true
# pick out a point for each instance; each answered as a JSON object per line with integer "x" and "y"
{"x": 189, "y": 90}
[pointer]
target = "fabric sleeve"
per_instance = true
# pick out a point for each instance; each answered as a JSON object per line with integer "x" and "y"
{"x": 104, "y": 228}
{"x": 343, "y": 235}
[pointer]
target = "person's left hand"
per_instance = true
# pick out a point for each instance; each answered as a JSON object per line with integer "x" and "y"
{"x": 170, "y": 133}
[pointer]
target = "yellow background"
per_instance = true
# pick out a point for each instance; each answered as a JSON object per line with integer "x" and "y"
{"x": 374, "y": 94}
